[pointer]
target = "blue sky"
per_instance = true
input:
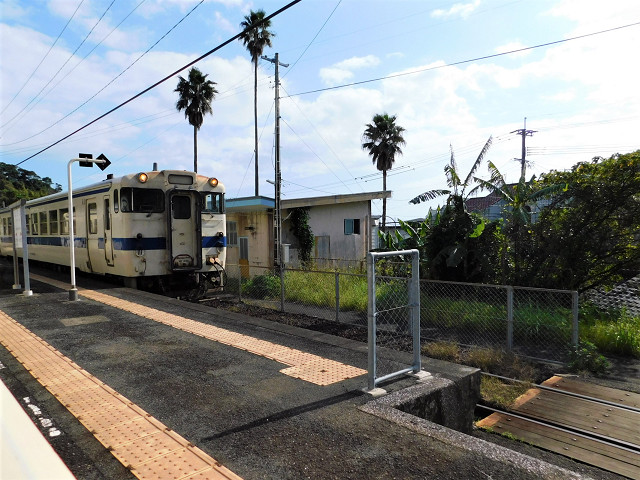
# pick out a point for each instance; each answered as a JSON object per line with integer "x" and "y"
{"x": 579, "y": 96}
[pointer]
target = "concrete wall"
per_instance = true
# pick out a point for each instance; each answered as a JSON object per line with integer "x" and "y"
{"x": 257, "y": 227}
{"x": 328, "y": 221}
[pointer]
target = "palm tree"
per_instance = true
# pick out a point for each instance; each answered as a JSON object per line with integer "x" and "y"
{"x": 457, "y": 187}
{"x": 383, "y": 138}
{"x": 255, "y": 37}
{"x": 195, "y": 97}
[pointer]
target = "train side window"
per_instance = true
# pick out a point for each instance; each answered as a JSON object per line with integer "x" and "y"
{"x": 28, "y": 223}
{"x": 44, "y": 224}
{"x": 10, "y": 226}
{"x": 145, "y": 200}
{"x": 181, "y": 207}
{"x": 53, "y": 222}
{"x": 213, "y": 203}
{"x": 34, "y": 224}
{"x": 107, "y": 215}
{"x": 92, "y": 210}
{"x": 4, "y": 226}
{"x": 116, "y": 202}
{"x": 64, "y": 221}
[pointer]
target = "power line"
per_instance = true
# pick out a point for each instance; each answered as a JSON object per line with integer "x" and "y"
{"x": 85, "y": 57}
{"x": 461, "y": 62}
{"x": 45, "y": 55}
{"x": 63, "y": 65}
{"x": 110, "y": 82}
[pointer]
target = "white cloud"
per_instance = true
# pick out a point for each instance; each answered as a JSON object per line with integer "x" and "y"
{"x": 458, "y": 10}
{"x": 342, "y": 71}
{"x": 510, "y": 47}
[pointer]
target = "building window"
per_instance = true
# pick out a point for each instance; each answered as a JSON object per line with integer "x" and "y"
{"x": 352, "y": 226}
{"x": 232, "y": 234}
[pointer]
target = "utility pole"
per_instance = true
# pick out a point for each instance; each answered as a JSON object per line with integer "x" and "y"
{"x": 277, "y": 216}
{"x": 525, "y": 133}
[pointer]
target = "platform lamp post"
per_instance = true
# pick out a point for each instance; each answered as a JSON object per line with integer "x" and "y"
{"x": 85, "y": 160}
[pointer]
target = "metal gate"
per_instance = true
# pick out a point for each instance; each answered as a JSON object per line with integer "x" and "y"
{"x": 393, "y": 310}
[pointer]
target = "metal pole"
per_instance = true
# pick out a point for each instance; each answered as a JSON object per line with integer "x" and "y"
{"x": 337, "y": 296}
{"x": 509, "y": 318}
{"x": 25, "y": 252}
{"x": 414, "y": 301}
{"x": 575, "y": 323}
{"x": 16, "y": 266}
{"x": 281, "y": 269}
{"x": 371, "y": 309}
{"x": 73, "y": 291}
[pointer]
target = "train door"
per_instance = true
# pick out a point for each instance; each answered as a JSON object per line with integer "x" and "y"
{"x": 108, "y": 233}
{"x": 184, "y": 223}
{"x": 93, "y": 237}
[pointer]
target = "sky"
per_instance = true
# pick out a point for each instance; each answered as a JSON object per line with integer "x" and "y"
{"x": 454, "y": 73}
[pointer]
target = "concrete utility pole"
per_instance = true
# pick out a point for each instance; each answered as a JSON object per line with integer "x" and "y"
{"x": 277, "y": 220}
{"x": 525, "y": 133}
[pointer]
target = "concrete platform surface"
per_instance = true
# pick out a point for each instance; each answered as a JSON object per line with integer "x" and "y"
{"x": 241, "y": 408}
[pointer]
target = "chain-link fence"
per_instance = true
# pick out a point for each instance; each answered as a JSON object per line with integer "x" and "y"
{"x": 531, "y": 322}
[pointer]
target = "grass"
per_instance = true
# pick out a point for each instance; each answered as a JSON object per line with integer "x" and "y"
{"x": 619, "y": 334}
{"x": 613, "y": 332}
{"x": 501, "y": 394}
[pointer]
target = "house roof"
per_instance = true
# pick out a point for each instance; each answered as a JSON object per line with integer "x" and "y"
{"x": 334, "y": 199}
{"x": 477, "y": 204}
{"x": 249, "y": 204}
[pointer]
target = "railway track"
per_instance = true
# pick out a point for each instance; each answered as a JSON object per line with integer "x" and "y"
{"x": 593, "y": 424}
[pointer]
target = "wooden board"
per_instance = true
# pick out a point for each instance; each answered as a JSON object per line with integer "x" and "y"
{"x": 616, "y": 423}
{"x": 597, "y": 391}
{"x": 611, "y": 458}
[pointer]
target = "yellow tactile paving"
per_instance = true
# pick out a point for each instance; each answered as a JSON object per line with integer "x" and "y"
{"x": 142, "y": 443}
{"x": 302, "y": 365}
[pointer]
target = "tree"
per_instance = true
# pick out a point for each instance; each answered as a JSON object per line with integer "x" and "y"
{"x": 590, "y": 234}
{"x": 383, "y": 138}
{"x": 255, "y": 37}
{"x": 17, "y": 183}
{"x": 449, "y": 249}
{"x": 195, "y": 97}
{"x": 520, "y": 200}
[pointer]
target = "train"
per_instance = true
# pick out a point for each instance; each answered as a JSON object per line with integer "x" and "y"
{"x": 161, "y": 229}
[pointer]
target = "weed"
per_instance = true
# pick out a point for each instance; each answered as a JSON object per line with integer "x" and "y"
{"x": 585, "y": 357}
{"x": 497, "y": 393}
{"x": 448, "y": 351}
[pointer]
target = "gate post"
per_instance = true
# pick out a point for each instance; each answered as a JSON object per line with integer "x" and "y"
{"x": 371, "y": 309}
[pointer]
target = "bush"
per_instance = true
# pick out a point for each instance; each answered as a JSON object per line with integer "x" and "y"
{"x": 262, "y": 286}
{"x": 619, "y": 334}
{"x": 585, "y": 357}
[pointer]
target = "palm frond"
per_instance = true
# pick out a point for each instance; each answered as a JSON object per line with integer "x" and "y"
{"x": 478, "y": 161}
{"x": 430, "y": 195}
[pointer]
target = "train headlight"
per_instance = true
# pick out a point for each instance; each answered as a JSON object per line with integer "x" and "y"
{"x": 212, "y": 259}
{"x": 213, "y": 182}
{"x": 143, "y": 177}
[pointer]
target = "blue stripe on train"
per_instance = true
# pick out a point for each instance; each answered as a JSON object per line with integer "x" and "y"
{"x": 145, "y": 243}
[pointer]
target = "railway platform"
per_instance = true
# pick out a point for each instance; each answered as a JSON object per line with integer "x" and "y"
{"x": 135, "y": 385}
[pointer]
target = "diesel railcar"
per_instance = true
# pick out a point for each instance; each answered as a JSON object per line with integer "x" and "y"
{"x": 157, "y": 228}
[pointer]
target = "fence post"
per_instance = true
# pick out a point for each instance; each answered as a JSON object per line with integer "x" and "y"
{"x": 574, "y": 309}
{"x": 337, "y": 296}
{"x": 509, "y": 318}
{"x": 414, "y": 302}
{"x": 281, "y": 269}
{"x": 371, "y": 309}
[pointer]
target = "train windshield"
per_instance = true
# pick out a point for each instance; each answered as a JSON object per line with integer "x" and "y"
{"x": 146, "y": 200}
{"x": 213, "y": 202}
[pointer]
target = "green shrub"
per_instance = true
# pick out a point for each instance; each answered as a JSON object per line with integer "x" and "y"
{"x": 619, "y": 334}
{"x": 262, "y": 286}
{"x": 585, "y": 357}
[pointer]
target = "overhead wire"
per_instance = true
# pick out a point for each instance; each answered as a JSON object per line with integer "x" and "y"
{"x": 461, "y": 62}
{"x": 61, "y": 67}
{"x": 110, "y": 82}
{"x": 171, "y": 75}
{"x": 45, "y": 56}
{"x": 87, "y": 55}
